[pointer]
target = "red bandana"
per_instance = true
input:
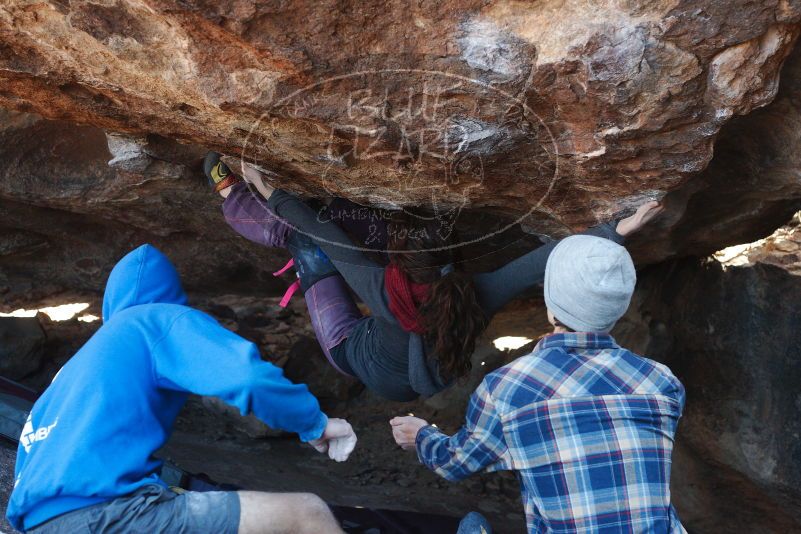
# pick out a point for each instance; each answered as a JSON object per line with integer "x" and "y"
{"x": 405, "y": 297}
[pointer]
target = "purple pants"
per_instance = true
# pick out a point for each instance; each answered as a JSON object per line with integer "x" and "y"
{"x": 331, "y": 307}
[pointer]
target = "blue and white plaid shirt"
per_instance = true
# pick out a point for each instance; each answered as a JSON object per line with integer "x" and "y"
{"x": 587, "y": 426}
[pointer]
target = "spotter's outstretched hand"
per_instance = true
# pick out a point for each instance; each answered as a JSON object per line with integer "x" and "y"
{"x": 405, "y": 429}
{"x": 338, "y": 440}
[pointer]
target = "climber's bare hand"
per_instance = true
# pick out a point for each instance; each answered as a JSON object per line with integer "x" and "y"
{"x": 253, "y": 176}
{"x": 645, "y": 213}
{"x": 405, "y": 429}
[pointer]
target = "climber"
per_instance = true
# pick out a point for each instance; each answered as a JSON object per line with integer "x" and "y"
{"x": 421, "y": 303}
{"x": 587, "y": 426}
{"x": 86, "y": 457}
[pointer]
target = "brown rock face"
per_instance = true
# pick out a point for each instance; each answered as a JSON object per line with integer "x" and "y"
{"x": 67, "y": 215}
{"x": 563, "y": 110}
{"x": 74, "y": 200}
{"x": 568, "y": 110}
{"x": 750, "y": 188}
{"x": 730, "y": 333}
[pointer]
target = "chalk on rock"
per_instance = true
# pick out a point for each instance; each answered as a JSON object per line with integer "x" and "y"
{"x": 128, "y": 151}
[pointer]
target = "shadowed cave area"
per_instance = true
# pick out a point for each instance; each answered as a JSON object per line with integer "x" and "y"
{"x": 102, "y": 150}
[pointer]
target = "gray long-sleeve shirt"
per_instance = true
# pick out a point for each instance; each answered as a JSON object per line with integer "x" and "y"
{"x": 385, "y": 357}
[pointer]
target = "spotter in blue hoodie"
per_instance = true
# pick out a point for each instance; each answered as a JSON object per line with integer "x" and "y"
{"x": 92, "y": 435}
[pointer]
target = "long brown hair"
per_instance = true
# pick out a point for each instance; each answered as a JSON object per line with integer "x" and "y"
{"x": 452, "y": 317}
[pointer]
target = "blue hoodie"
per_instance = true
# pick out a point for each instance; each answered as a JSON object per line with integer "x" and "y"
{"x": 91, "y": 436}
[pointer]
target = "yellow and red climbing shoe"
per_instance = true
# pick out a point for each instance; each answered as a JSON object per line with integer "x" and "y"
{"x": 218, "y": 173}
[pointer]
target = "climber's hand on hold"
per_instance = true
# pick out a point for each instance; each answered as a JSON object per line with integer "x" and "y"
{"x": 405, "y": 429}
{"x": 338, "y": 440}
{"x": 253, "y": 176}
{"x": 641, "y": 217}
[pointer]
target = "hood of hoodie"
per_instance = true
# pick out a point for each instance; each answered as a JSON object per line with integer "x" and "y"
{"x": 143, "y": 276}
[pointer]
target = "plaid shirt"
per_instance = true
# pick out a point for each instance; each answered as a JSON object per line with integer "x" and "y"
{"x": 587, "y": 426}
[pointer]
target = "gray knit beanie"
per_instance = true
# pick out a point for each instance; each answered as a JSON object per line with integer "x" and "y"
{"x": 588, "y": 283}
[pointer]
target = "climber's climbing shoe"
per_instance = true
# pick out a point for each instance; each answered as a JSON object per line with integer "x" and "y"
{"x": 218, "y": 173}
